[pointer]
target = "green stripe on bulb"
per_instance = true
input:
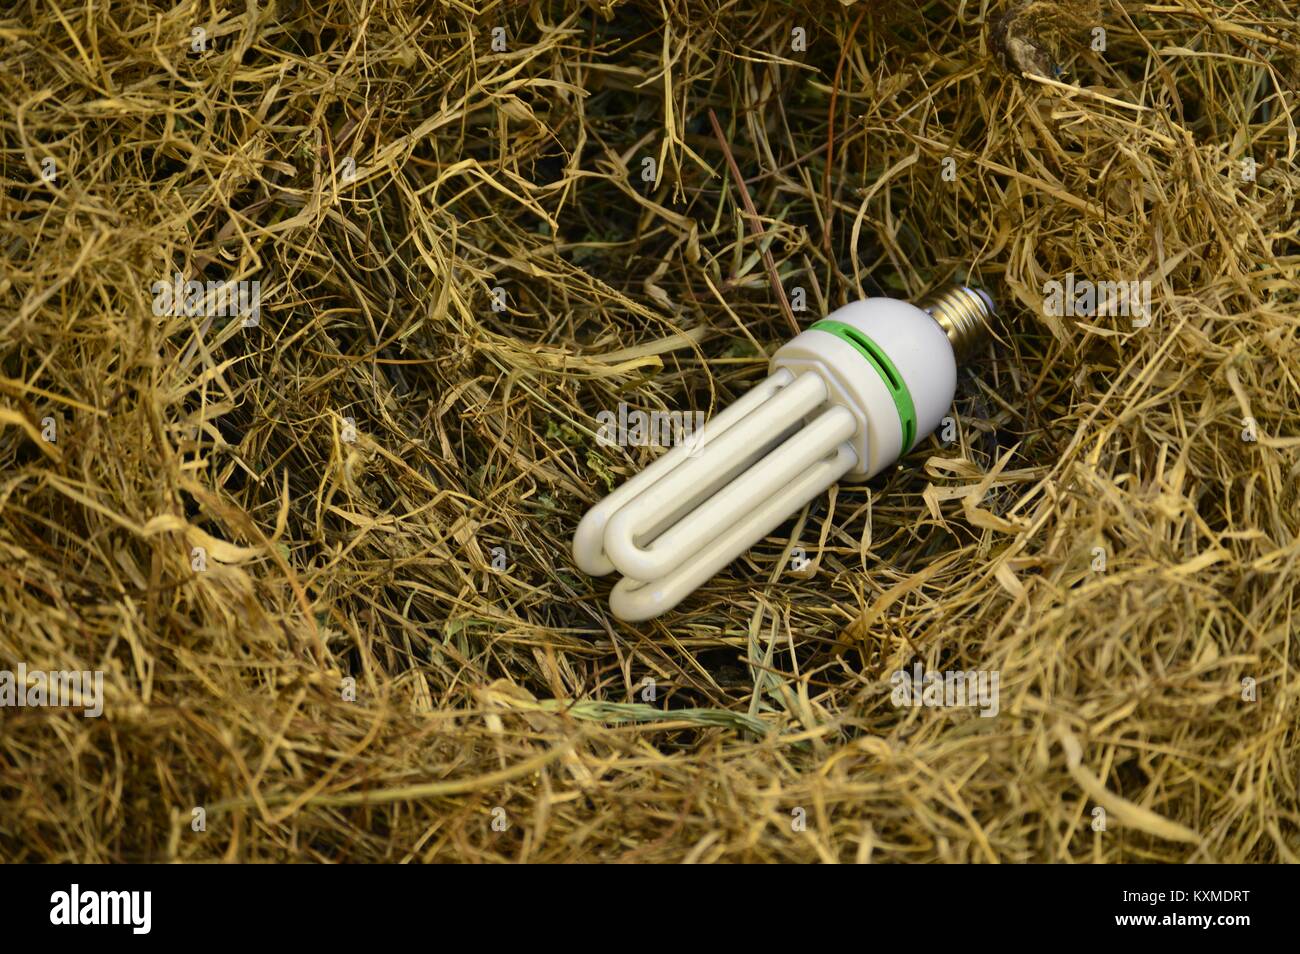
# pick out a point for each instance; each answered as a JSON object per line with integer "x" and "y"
{"x": 877, "y": 358}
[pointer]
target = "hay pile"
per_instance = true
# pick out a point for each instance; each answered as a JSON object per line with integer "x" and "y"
{"x": 323, "y": 561}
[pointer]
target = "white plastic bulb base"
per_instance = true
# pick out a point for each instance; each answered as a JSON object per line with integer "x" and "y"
{"x": 845, "y": 398}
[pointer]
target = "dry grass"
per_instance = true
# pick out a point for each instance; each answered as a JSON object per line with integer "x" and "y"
{"x": 372, "y": 558}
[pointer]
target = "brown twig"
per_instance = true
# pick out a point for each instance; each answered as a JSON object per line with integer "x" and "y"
{"x": 755, "y": 224}
{"x": 830, "y": 134}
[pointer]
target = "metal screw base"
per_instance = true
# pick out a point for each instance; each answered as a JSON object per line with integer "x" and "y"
{"x": 964, "y": 314}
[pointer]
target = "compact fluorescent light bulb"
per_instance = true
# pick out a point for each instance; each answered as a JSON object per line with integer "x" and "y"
{"x": 847, "y": 397}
